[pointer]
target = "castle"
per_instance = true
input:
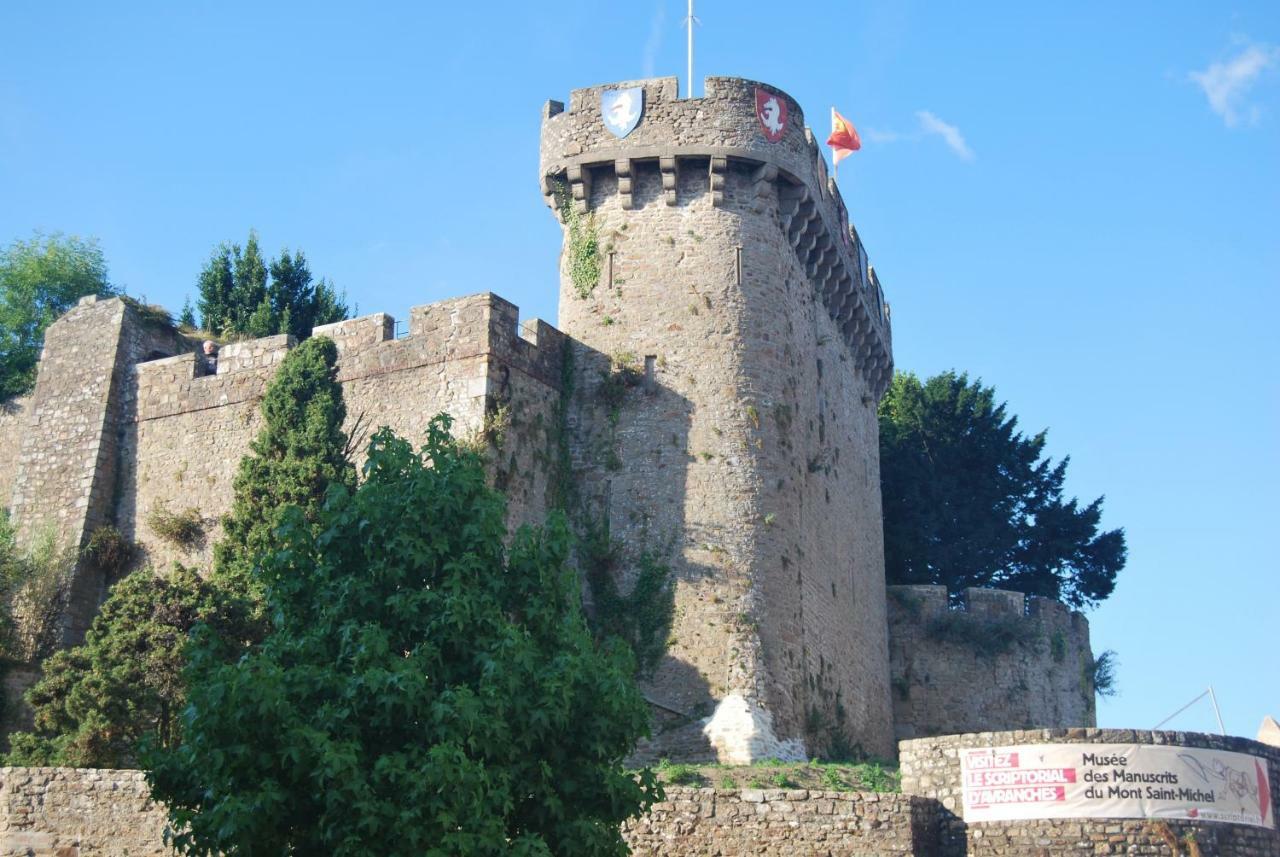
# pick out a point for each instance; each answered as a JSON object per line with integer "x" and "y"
{"x": 707, "y": 405}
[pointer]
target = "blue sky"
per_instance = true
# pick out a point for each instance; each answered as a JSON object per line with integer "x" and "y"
{"x": 1078, "y": 203}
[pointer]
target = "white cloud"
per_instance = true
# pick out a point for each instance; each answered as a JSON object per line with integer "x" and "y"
{"x": 654, "y": 43}
{"x": 1225, "y": 83}
{"x": 950, "y": 134}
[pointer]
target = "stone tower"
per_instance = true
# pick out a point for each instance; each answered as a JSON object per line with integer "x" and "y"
{"x": 730, "y": 347}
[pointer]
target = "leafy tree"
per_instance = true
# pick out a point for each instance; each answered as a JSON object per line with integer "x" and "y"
{"x": 969, "y": 500}
{"x": 95, "y": 701}
{"x": 41, "y": 279}
{"x": 237, "y": 298}
{"x": 300, "y": 451}
{"x": 424, "y": 691}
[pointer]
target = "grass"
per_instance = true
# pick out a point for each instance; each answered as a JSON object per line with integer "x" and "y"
{"x": 870, "y": 776}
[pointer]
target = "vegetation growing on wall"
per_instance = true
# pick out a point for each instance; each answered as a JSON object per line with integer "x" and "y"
{"x": 641, "y": 618}
{"x": 34, "y": 586}
{"x": 423, "y": 690}
{"x": 582, "y": 253}
{"x": 183, "y": 528}
{"x": 986, "y": 637}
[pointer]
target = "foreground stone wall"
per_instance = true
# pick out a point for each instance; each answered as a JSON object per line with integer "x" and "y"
{"x": 789, "y": 822}
{"x": 68, "y": 812}
{"x": 931, "y": 768}
{"x": 998, "y": 660}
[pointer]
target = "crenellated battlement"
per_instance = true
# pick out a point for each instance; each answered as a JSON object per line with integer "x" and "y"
{"x": 449, "y": 330}
{"x": 991, "y": 659}
{"x": 719, "y": 137}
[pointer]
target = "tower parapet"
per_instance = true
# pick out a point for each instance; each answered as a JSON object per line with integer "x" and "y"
{"x": 708, "y": 136}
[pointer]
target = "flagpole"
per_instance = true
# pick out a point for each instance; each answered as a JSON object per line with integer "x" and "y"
{"x": 689, "y": 22}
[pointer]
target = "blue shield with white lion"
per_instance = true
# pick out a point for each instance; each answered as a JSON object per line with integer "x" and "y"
{"x": 621, "y": 109}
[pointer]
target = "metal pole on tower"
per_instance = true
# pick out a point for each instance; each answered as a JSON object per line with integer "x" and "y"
{"x": 689, "y": 22}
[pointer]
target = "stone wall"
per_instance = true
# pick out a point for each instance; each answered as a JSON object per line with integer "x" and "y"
{"x": 793, "y": 823}
{"x": 67, "y": 812}
{"x": 187, "y": 432}
{"x": 931, "y": 768}
{"x": 744, "y": 451}
{"x": 13, "y": 421}
{"x": 997, "y": 660}
{"x": 124, "y": 422}
{"x": 68, "y": 465}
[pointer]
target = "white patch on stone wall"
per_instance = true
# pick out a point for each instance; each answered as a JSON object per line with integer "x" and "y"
{"x": 742, "y": 732}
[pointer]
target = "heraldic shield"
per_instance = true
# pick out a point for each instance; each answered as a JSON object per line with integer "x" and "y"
{"x": 771, "y": 111}
{"x": 621, "y": 109}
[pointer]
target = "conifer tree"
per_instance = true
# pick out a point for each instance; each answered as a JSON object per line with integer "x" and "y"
{"x": 240, "y": 294}
{"x": 422, "y": 691}
{"x": 300, "y": 451}
{"x": 970, "y": 501}
{"x": 94, "y": 702}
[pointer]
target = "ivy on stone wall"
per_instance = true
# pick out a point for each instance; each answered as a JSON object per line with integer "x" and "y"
{"x": 583, "y": 251}
{"x": 641, "y": 618}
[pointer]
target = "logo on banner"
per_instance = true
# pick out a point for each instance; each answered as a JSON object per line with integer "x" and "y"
{"x": 621, "y": 109}
{"x": 771, "y": 110}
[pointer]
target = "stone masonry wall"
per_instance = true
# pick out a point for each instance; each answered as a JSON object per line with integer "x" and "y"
{"x": 68, "y": 466}
{"x": 788, "y": 823}
{"x": 13, "y": 422}
{"x": 999, "y": 660}
{"x": 747, "y": 454}
{"x": 931, "y": 768}
{"x": 67, "y": 812}
{"x": 465, "y": 357}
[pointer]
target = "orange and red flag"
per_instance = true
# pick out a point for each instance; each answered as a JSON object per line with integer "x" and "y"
{"x": 844, "y": 140}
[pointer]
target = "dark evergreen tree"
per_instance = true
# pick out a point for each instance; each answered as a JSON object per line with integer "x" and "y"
{"x": 96, "y": 701}
{"x": 188, "y": 316}
{"x": 300, "y": 451}
{"x": 969, "y": 500}
{"x": 215, "y": 284}
{"x": 237, "y": 298}
{"x": 423, "y": 691}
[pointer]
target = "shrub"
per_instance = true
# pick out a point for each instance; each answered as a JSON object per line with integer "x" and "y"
{"x": 183, "y": 529}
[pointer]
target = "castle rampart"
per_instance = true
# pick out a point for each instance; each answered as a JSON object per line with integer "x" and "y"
{"x": 748, "y": 457}
{"x": 996, "y": 660}
{"x": 116, "y": 431}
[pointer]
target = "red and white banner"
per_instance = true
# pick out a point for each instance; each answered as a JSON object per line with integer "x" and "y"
{"x": 1114, "y": 781}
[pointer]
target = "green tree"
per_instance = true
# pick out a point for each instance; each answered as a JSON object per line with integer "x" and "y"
{"x": 96, "y": 701}
{"x": 424, "y": 691}
{"x": 241, "y": 294}
{"x": 300, "y": 451}
{"x": 970, "y": 501}
{"x": 41, "y": 279}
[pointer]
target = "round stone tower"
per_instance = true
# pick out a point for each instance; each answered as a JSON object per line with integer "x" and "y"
{"x": 730, "y": 347}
